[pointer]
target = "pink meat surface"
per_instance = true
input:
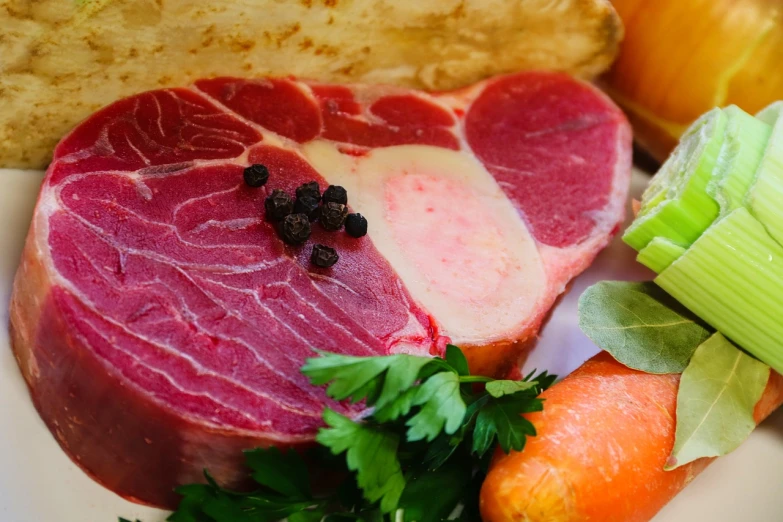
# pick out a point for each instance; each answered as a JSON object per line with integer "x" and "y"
{"x": 160, "y": 322}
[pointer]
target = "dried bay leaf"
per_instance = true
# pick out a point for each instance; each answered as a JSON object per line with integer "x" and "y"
{"x": 640, "y": 325}
{"x": 718, "y": 393}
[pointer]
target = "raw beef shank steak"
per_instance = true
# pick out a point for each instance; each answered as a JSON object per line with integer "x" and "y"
{"x": 160, "y": 321}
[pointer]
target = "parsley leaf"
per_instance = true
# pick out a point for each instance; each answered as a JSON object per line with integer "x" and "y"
{"x": 544, "y": 379}
{"x": 371, "y": 452}
{"x": 377, "y": 379}
{"x": 442, "y": 407}
{"x": 283, "y": 473}
{"x": 500, "y": 388}
{"x": 470, "y": 499}
{"x": 502, "y": 418}
{"x": 210, "y": 503}
{"x": 284, "y": 490}
{"x": 432, "y": 496}
{"x": 442, "y": 448}
{"x": 422, "y": 450}
{"x": 457, "y": 360}
{"x": 308, "y": 515}
{"x": 397, "y": 407}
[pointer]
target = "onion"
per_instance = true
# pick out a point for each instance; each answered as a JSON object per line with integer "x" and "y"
{"x": 681, "y": 58}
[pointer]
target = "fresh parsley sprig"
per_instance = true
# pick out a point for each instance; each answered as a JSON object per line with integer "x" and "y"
{"x": 421, "y": 450}
{"x": 283, "y": 491}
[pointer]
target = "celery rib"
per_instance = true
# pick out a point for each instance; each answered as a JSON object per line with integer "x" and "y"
{"x": 732, "y": 277}
{"x": 676, "y": 205}
{"x": 711, "y": 227}
{"x": 709, "y": 173}
{"x": 740, "y": 156}
{"x": 765, "y": 198}
{"x": 659, "y": 254}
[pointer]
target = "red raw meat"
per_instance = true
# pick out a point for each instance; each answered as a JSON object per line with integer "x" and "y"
{"x": 160, "y": 322}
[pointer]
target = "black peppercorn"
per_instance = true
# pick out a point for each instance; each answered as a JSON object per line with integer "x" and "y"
{"x": 356, "y": 225}
{"x": 295, "y": 229}
{"x": 256, "y": 175}
{"x": 307, "y": 205}
{"x": 333, "y": 215}
{"x": 310, "y": 189}
{"x": 335, "y": 194}
{"x": 278, "y": 205}
{"x": 323, "y": 256}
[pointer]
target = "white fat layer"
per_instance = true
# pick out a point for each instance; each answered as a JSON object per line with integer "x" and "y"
{"x": 450, "y": 233}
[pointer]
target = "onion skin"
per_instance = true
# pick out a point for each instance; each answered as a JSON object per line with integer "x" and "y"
{"x": 681, "y": 58}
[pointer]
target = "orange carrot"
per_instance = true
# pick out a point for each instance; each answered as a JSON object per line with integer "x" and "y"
{"x": 603, "y": 439}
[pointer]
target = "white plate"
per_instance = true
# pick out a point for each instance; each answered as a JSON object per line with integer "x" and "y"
{"x": 38, "y": 483}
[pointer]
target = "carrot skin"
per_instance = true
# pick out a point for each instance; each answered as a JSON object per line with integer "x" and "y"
{"x": 603, "y": 439}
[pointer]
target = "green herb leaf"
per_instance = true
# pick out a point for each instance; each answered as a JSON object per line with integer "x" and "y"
{"x": 190, "y": 507}
{"x": 308, "y": 515}
{"x": 349, "y": 495}
{"x": 442, "y": 407}
{"x": 377, "y": 379}
{"x": 470, "y": 497}
{"x": 285, "y": 473}
{"x": 457, "y": 360}
{"x": 371, "y": 452}
{"x": 397, "y": 407}
{"x": 362, "y": 516}
{"x": 225, "y": 507}
{"x": 718, "y": 393}
{"x": 444, "y": 446}
{"x": 432, "y": 496}
{"x": 504, "y": 387}
{"x": 210, "y": 503}
{"x": 544, "y": 379}
{"x": 640, "y": 326}
{"x": 441, "y": 449}
{"x": 411, "y": 459}
{"x": 502, "y": 418}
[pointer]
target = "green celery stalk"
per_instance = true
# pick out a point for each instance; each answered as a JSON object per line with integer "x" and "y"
{"x": 711, "y": 227}
{"x": 676, "y": 205}
{"x": 659, "y": 254}
{"x": 743, "y": 149}
{"x": 765, "y": 198}
{"x": 710, "y": 172}
{"x": 732, "y": 277}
